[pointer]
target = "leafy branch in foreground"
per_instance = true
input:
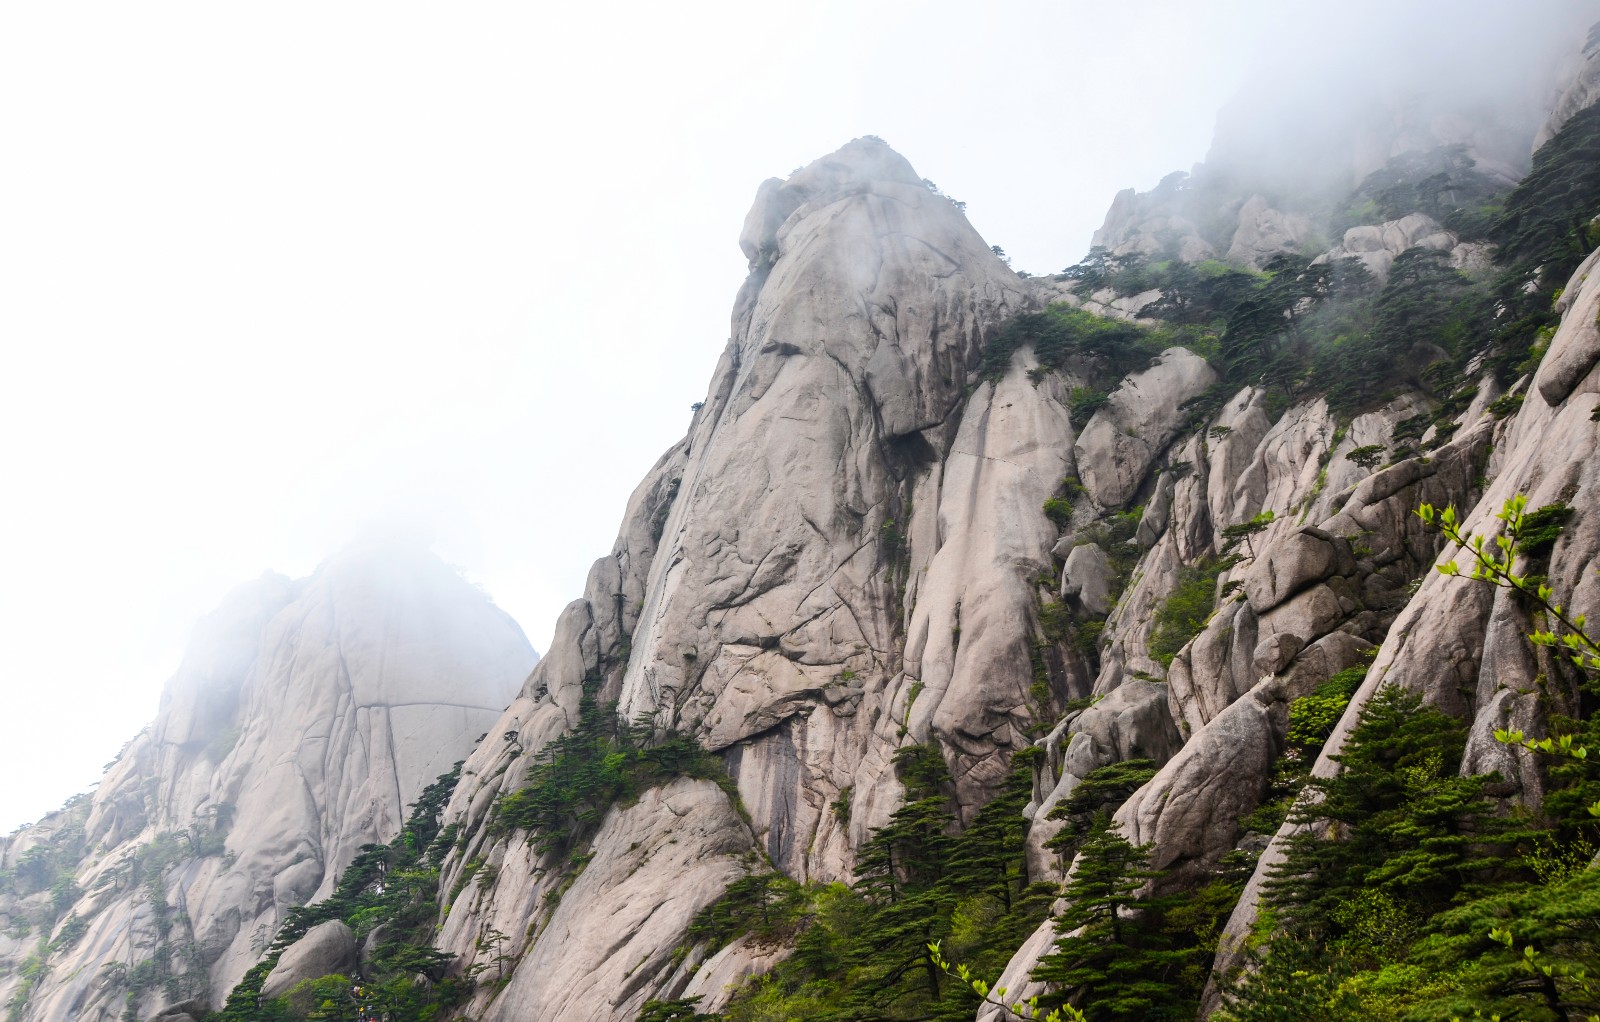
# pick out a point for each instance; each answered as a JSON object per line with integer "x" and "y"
{"x": 1495, "y": 565}
{"x": 1027, "y": 1010}
{"x": 1524, "y": 536}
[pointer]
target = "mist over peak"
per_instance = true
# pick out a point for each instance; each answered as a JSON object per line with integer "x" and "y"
{"x": 1335, "y": 100}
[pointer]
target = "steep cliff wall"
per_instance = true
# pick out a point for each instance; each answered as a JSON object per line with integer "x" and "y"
{"x": 849, "y": 554}
{"x": 890, "y": 523}
{"x": 840, "y": 559}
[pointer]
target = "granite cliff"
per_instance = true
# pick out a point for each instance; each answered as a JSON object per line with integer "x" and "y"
{"x": 1047, "y": 528}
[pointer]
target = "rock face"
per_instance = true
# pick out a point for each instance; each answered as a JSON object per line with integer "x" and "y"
{"x": 841, "y": 558}
{"x": 326, "y": 948}
{"x": 776, "y": 581}
{"x": 305, "y": 718}
{"x": 846, "y": 554}
{"x": 1123, "y": 439}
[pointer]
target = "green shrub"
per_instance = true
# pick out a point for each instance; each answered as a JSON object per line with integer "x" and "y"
{"x": 1055, "y": 620}
{"x": 1186, "y": 610}
{"x": 1060, "y": 334}
{"x": 1312, "y": 718}
{"x": 1367, "y": 457}
{"x": 1233, "y": 535}
{"x": 1086, "y": 636}
{"x": 1059, "y": 510}
{"x": 1084, "y": 402}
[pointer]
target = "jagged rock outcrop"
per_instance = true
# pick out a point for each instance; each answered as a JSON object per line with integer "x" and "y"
{"x": 1265, "y": 232}
{"x": 850, "y": 357}
{"x": 305, "y": 718}
{"x": 1375, "y": 246}
{"x": 1148, "y": 224}
{"x": 1123, "y": 439}
{"x": 1462, "y": 645}
{"x": 1311, "y": 600}
{"x": 841, "y": 558}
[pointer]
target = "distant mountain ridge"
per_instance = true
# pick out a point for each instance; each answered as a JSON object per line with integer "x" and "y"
{"x": 306, "y": 716}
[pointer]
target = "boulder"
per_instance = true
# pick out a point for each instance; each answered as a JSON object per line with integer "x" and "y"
{"x": 1274, "y": 652}
{"x": 1087, "y": 577}
{"x": 1575, "y": 348}
{"x": 1377, "y": 245}
{"x": 1264, "y": 232}
{"x": 1190, "y": 811}
{"x": 1294, "y": 563}
{"x": 327, "y": 948}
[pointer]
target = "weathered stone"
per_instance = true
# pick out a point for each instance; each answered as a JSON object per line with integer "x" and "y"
{"x": 1157, "y": 512}
{"x": 1575, "y": 349}
{"x": 1321, "y": 660}
{"x": 1086, "y": 578}
{"x": 1142, "y": 224}
{"x": 1132, "y": 722}
{"x": 715, "y": 981}
{"x": 1294, "y": 563}
{"x": 327, "y": 948}
{"x": 1377, "y": 245}
{"x": 1190, "y": 811}
{"x": 1215, "y": 668}
{"x": 1122, "y": 440}
{"x": 656, "y": 864}
{"x": 1264, "y": 232}
{"x": 1275, "y": 651}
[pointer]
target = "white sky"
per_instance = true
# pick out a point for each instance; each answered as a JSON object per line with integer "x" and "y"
{"x": 271, "y": 273}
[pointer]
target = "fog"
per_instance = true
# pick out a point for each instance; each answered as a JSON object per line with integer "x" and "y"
{"x": 1383, "y": 79}
{"x": 274, "y": 277}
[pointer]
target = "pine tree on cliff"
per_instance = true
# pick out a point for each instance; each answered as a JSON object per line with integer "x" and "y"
{"x": 1112, "y": 957}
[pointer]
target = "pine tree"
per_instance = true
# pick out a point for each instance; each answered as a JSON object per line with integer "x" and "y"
{"x": 989, "y": 858}
{"x": 901, "y": 871}
{"x": 1397, "y": 817}
{"x": 1112, "y": 959}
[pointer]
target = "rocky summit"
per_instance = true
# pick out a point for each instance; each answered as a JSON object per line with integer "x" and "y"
{"x": 1116, "y": 638}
